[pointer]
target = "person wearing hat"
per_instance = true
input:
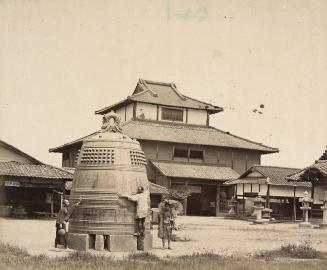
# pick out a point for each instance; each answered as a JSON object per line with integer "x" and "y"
{"x": 142, "y": 199}
{"x": 63, "y": 217}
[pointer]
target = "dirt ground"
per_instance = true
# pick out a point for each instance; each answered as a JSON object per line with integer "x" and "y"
{"x": 198, "y": 234}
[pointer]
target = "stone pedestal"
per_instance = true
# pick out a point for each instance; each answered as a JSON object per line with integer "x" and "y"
{"x": 144, "y": 243}
{"x": 305, "y": 208}
{"x": 305, "y": 223}
{"x": 127, "y": 243}
{"x": 266, "y": 213}
{"x": 259, "y": 219}
{"x": 323, "y": 224}
{"x": 232, "y": 208}
{"x": 78, "y": 241}
{"x": 258, "y": 207}
{"x": 99, "y": 242}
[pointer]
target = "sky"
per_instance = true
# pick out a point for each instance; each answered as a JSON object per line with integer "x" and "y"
{"x": 62, "y": 60}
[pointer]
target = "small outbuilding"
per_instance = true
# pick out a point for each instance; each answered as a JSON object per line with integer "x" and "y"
{"x": 271, "y": 184}
{"x": 29, "y": 187}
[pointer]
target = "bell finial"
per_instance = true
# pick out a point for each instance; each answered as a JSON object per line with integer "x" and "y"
{"x": 111, "y": 122}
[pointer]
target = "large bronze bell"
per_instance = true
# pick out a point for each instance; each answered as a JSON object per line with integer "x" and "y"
{"x": 109, "y": 164}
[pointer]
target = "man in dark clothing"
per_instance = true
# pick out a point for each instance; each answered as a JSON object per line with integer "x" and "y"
{"x": 63, "y": 217}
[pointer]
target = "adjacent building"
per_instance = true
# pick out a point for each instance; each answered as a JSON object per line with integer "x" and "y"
{"x": 271, "y": 184}
{"x": 28, "y": 186}
{"x": 184, "y": 153}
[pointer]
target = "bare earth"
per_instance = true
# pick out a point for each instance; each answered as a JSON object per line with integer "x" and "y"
{"x": 200, "y": 234}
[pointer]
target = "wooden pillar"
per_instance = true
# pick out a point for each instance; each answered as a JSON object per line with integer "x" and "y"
{"x": 243, "y": 202}
{"x": 186, "y": 115}
{"x": 217, "y": 198}
{"x": 61, "y": 200}
{"x": 51, "y": 203}
{"x": 185, "y": 200}
{"x": 134, "y": 110}
{"x": 268, "y": 196}
{"x": 294, "y": 202}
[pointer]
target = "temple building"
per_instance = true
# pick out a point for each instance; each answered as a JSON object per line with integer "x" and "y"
{"x": 270, "y": 182}
{"x": 184, "y": 153}
{"x": 29, "y": 187}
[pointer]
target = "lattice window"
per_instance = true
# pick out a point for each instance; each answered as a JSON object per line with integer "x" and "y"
{"x": 137, "y": 158}
{"x": 92, "y": 156}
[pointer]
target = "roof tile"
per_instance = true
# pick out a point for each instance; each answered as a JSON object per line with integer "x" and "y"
{"x": 13, "y": 168}
{"x": 195, "y": 171}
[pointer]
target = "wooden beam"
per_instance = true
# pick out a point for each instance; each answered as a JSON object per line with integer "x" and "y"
{"x": 246, "y": 160}
{"x": 51, "y": 203}
{"x": 157, "y": 151}
{"x": 243, "y": 202}
{"x": 185, "y": 200}
{"x": 294, "y": 202}
{"x": 125, "y": 110}
{"x": 134, "y": 110}
{"x": 217, "y": 198}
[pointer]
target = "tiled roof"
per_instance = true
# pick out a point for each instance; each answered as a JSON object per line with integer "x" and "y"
{"x": 194, "y": 171}
{"x": 320, "y": 165}
{"x": 157, "y": 189}
{"x": 272, "y": 175}
{"x": 248, "y": 180}
{"x": 161, "y": 93}
{"x": 324, "y": 155}
{"x": 179, "y": 133}
{"x": 13, "y": 168}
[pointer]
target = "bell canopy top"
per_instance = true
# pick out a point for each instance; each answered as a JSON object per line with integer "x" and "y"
{"x": 111, "y": 122}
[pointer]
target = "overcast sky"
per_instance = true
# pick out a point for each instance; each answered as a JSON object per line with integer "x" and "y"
{"x": 62, "y": 60}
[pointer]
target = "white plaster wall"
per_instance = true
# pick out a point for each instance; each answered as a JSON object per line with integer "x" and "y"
{"x": 197, "y": 117}
{"x": 263, "y": 190}
{"x": 283, "y": 191}
{"x": 299, "y": 191}
{"x": 149, "y": 111}
{"x": 255, "y": 188}
{"x": 247, "y": 188}
{"x": 239, "y": 189}
{"x": 129, "y": 112}
{"x": 9, "y": 155}
{"x": 121, "y": 113}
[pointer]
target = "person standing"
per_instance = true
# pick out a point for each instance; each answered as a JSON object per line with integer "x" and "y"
{"x": 62, "y": 219}
{"x": 166, "y": 224}
{"x": 142, "y": 199}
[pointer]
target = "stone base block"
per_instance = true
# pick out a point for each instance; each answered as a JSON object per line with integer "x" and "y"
{"x": 261, "y": 221}
{"x": 323, "y": 225}
{"x": 118, "y": 243}
{"x": 144, "y": 243}
{"x": 78, "y": 241}
{"x": 305, "y": 225}
{"x": 99, "y": 242}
